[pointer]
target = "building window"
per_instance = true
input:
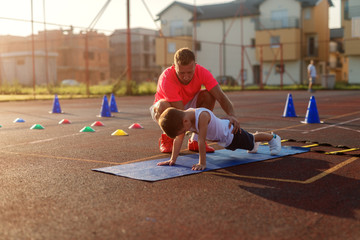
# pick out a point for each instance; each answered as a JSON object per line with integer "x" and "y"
{"x": 307, "y": 13}
{"x": 20, "y": 62}
{"x": 176, "y": 28}
{"x": 355, "y": 27}
{"x": 275, "y": 41}
{"x": 171, "y": 47}
{"x": 280, "y": 68}
{"x": 198, "y": 46}
{"x": 146, "y": 43}
{"x": 253, "y": 42}
{"x": 280, "y": 18}
{"x": 90, "y": 55}
{"x": 312, "y": 49}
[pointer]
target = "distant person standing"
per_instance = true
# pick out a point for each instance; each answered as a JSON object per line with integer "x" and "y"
{"x": 311, "y": 75}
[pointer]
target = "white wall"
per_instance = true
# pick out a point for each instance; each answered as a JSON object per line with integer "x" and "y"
{"x": 18, "y": 68}
{"x": 175, "y": 13}
{"x": 354, "y": 69}
{"x": 291, "y": 76}
{"x": 226, "y": 60}
{"x": 292, "y": 6}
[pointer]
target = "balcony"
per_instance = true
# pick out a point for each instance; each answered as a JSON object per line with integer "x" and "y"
{"x": 268, "y": 23}
{"x": 181, "y": 31}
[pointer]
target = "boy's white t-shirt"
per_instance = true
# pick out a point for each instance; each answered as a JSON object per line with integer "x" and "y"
{"x": 218, "y": 129}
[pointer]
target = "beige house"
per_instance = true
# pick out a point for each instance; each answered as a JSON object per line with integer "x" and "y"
{"x": 351, "y": 23}
{"x": 253, "y": 41}
{"x": 338, "y": 62}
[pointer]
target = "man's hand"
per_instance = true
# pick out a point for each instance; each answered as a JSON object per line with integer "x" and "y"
{"x": 169, "y": 162}
{"x": 198, "y": 167}
{"x": 235, "y": 123}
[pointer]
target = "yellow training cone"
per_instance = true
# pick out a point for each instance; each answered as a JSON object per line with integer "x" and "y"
{"x": 119, "y": 132}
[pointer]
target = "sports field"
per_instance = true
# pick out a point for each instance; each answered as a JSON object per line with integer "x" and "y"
{"x": 49, "y": 190}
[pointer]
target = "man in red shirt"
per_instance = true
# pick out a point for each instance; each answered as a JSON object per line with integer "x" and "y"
{"x": 180, "y": 85}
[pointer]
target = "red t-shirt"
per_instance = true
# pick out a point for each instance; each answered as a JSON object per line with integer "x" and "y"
{"x": 170, "y": 89}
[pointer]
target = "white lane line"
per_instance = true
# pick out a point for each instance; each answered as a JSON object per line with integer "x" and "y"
{"x": 335, "y": 125}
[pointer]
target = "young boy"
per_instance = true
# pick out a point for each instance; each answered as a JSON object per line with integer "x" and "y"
{"x": 175, "y": 123}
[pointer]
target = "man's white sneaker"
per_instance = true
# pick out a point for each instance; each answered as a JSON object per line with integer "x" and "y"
{"x": 275, "y": 145}
{"x": 254, "y": 150}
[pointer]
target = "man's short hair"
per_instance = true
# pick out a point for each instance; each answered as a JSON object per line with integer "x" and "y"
{"x": 171, "y": 121}
{"x": 184, "y": 56}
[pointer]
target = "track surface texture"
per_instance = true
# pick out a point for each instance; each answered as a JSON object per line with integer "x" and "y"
{"x": 49, "y": 191}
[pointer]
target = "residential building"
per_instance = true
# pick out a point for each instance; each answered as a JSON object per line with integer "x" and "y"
{"x": 72, "y": 62}
{"x": 83, "y": 56}
{"x": 17, "y": 68}
{"x": 254, "y": 41}
{"x": 143, "y": 59}
{"x": 351, "y": 23}
{"x": 337, "y": 60}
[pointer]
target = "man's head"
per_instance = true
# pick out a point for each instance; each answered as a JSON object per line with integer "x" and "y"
{"x": 184, "y": 60}
{"x": 171, "y": 121}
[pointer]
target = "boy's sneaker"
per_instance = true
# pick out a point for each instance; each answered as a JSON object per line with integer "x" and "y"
{"x": 165, "y": 144}
{"x": 254, "y": 150}
{"x": 275, "y": 145}
{"x": 194, "y": 146}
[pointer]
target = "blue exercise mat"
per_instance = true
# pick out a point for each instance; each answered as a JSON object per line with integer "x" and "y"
{"x": 149, "y": 171}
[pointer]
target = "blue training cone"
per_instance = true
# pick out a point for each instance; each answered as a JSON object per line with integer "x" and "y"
{"x": 105, "y": 110}
{"x": 289, "y": 110}
{"x": 312, "y": 115}
{"x": 56, "y": 106}
{"x": 113, "y": 106}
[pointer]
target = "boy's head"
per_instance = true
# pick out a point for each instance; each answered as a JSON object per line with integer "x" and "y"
{"x": 171, "y": 121}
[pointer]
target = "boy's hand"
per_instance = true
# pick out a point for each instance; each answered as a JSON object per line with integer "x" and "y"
{"x": 198, "y": 167}
{"x": 169, "y": 162}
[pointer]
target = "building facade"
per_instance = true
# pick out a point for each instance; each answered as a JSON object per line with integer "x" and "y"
{"x": 17, "y": 68}
{"x": 351, "y": 23}
{"x": 253, "y": 41}
{"x": 143, "y": 59}
{"x": 80, "y": 56}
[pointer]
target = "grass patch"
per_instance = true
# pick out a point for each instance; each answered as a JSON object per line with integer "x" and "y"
{"x": 16, "y": 92}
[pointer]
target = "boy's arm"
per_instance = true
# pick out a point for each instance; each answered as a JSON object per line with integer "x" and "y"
{"x": 204, "y": 120}
{"x": 175, "y": 151}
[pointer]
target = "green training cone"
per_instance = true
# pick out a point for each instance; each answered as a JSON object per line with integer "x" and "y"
{"x": 87, "y": 129}
{"x": 37, "y": 126}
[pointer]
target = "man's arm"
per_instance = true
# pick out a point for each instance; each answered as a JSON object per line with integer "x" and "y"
{"x": 226, "y": 105}
{"x": 204, "y": 120}
{"x": 178, "y": 105}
